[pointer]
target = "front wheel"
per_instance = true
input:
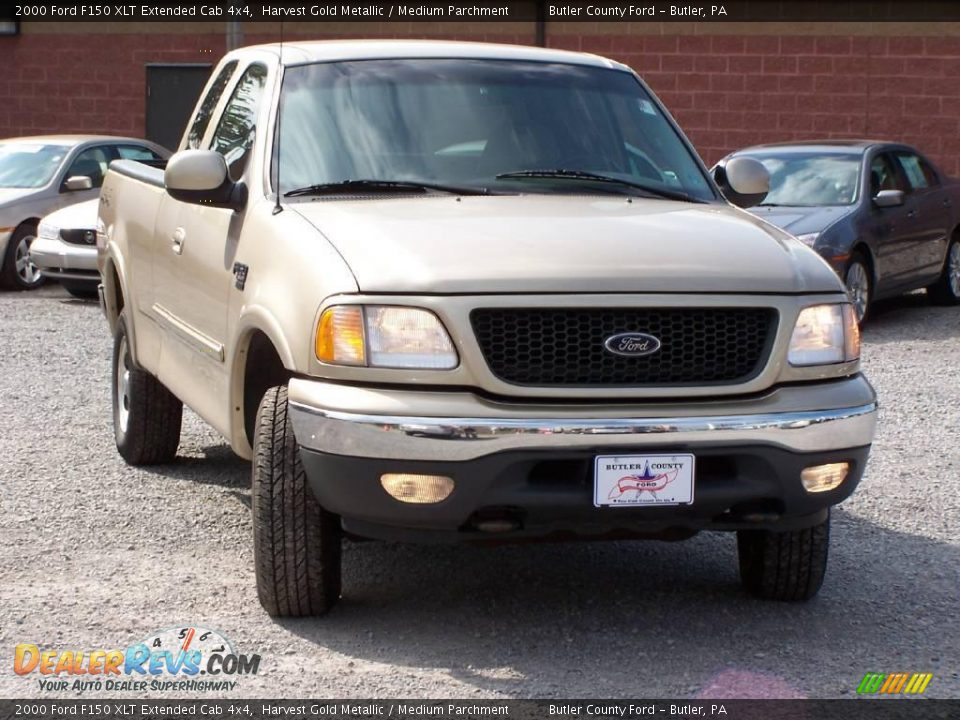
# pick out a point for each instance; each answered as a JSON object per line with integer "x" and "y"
{"x": 946, "y": 290}
{"x": 857, "y": 279}
{"x": 296, "y": 543}
{"x": 18, "y": 271}
{"x": 787, "y": 565}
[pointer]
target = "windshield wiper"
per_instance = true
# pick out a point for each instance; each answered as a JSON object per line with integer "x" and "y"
{"x": 350, "y": 187}
{"x": 597, "y": 177}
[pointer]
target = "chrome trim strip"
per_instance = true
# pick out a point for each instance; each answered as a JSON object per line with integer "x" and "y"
{"x": 454, "y": 439}
{"x": 188, "y": 334}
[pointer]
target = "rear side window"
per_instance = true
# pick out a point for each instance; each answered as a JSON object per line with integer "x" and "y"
{"x": 919, "y": 174}
{"x": 238, "y": 125}
{"x": 136, "y": 152}
{"x": 210, "y": 100}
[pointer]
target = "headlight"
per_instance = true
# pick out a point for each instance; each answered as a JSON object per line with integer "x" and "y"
{"x": 808, "y": 239}
{"x": 825, "y": 334}
{"x": 48, "y": 231}
{"x": 384, "y": 336}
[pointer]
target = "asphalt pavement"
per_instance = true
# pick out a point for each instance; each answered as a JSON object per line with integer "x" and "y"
{"x": 98, "y": 555}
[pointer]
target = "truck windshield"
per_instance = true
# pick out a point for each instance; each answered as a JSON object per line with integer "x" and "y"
{"x": 466, "y": 122}
{"x": 811, "y": 179}
{"x": 29, "y": 165}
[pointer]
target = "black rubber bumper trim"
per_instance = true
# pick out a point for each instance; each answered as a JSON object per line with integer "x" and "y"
{"x": 546, "y": 493}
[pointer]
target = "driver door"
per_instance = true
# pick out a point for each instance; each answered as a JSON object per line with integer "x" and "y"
{"x": 195, "y": 246}
{"x": 889, "y": 228}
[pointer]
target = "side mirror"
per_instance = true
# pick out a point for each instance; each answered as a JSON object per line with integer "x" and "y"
{"x": 742, "y": 180}
{"x": 201, "y": 177}
{"x": 888, "y": 198}
{"x": 76, "y": 183}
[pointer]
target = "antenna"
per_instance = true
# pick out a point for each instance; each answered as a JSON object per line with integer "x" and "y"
{"x": 278, "y": 208}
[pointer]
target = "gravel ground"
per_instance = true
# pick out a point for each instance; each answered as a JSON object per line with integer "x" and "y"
{"x": 95, "y": 554}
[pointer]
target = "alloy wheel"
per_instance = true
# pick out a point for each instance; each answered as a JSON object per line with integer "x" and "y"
{"x": 858, "y": 287}
{"x": 28, "y": 273}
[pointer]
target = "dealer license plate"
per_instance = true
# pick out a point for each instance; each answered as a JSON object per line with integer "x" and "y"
{"x": 631, "y": 480}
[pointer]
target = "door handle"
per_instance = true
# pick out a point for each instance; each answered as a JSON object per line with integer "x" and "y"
{"x": 912, "y": 214}
{"x": 179, "y": 235}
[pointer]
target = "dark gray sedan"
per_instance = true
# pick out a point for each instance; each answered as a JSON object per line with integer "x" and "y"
{"x": 884, "y": 217}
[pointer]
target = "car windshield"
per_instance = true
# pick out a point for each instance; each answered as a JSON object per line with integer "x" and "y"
{"x": 29, "y": 165}
{"x": 811, "y": 179}
{"x": 464, "y": 122}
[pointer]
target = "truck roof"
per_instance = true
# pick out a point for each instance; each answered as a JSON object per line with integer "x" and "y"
{"x": 296, "y": 53}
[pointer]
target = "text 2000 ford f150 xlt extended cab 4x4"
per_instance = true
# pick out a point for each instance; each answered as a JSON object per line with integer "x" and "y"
{"x": 443, "y": 291}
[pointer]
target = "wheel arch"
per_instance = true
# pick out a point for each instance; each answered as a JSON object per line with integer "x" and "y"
{"x": 261, "y": 361}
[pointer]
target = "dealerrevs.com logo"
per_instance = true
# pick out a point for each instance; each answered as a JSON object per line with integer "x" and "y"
{"x": 191, "y": 659}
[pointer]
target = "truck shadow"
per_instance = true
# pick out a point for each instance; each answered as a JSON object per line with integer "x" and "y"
{"x": 667, "y": 618}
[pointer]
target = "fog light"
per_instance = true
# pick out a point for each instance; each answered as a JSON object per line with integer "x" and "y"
{"x": 821, "y": 478}
{"x": 419, "y": 489}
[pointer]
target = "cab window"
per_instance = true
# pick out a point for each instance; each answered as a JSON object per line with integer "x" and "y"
{"x": 238, "y": 125}
{"x": 210, "y": 100}
{"x": 883, "y": 176}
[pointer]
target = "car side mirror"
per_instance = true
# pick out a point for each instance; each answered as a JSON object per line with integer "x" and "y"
{"x": 76, "y": 183}
{"x": 888, "y": 198}
{"x": 742, "y": 180}
{"x": 201, "y": 177}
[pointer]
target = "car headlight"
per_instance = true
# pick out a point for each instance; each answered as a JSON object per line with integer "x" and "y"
{"x": 384, "y": 336}
{"x": 48, "y": 231}
{"x": 808, "y": 239}
{"x": 825, "y": 334}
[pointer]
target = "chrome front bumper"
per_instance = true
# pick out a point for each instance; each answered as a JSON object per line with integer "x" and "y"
{"x": 815, "y": 418}
{"x": 60, "y": 260}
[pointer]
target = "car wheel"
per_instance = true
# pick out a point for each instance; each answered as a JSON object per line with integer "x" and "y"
{"x": 82, "y": 290}
{"x": 19, "y": 272}
{"x": 296, "y": 543}
{"x": 786, "y": 565}
{"x": 857, "y": 279}
{"x": 946, "y": 290}
{"x": 146, "y": 416}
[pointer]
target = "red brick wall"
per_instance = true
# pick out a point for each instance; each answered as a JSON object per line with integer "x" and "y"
{"x": 730, "y": 91}
{"x": 87, "y": 83}
{"x": 727, "y": 91}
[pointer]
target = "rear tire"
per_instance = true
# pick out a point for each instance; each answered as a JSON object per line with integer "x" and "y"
{"x": 18, "y": 271}
{"x": 946, "y": 290}
{"x": 146, "y": 416}
{"x": 81, "y": 290}
{"x": 296, "y": 543}
{"x": 786, "y": 565}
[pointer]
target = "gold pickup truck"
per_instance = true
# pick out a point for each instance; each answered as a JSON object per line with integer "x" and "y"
{"x": 467, "y": 292}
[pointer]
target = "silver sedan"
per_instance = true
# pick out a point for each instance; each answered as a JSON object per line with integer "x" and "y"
{"x": 45, "y": 173}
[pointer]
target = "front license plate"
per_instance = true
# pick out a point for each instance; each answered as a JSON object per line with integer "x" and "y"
{"x": 631, "y": 480}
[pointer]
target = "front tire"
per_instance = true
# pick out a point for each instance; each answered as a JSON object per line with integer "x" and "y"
{"x": 18, "y": 271}
{"x": 146, "y": 416}
{"x": 857, "y": 279}
{"x": 296, "y": 543}
{"x": 946, "y": 290}
{"x": 787, "y": 565}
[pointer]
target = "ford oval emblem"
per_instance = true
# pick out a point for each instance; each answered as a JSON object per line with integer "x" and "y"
{"x": 633, "y": 344}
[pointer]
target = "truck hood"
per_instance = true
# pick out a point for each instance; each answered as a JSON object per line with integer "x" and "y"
{"x": 562, "y": 243}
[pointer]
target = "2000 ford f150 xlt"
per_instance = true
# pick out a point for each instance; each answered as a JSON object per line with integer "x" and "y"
{"x": 443, "y": 291}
